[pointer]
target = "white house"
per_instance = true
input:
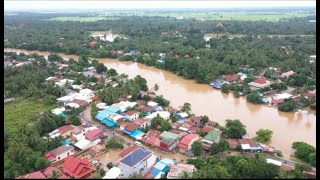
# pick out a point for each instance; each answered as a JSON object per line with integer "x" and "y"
{"x": 163, "y": 114}
{"x": 85, "y": 144}
{"x": 113, "y": 173}
{"x": 131, "y": 115}
{"x": 79, "y": 132}
{"x": 59, "y": 153}
{"x": 152, "y": 104}
{"x": 124, "y": 105}
{"x": 138, "y": 160}
{"x": 143, "y": 122}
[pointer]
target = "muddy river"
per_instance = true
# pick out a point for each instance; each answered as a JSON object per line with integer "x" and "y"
{"x": 204, "y": 100}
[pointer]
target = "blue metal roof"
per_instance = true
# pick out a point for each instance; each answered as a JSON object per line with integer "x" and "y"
{"x": 155, "y": 172}
{"x": 135, "y": 157}
{"x": 132, "y": 52}
{"x": 135, "y": 133}
{"x": 113, "y": 109}
{"x": 167, "y": 161}
{"x": 109, "y": 123}
{"x": 161, "y": 166}
{"x": 127, "y": 132}
{"x": 265, "y": 100}
{"x": 103, "y": 114}
{"x": 217, "y": 84}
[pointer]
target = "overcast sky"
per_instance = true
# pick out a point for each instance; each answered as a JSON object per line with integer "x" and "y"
{"x": 27, "y": 5}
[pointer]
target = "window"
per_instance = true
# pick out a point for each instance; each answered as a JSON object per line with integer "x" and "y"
{"x": 68, "y": 154}
{"x": 59, "y": 157}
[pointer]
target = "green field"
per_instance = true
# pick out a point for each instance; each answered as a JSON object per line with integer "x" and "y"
{"x": 82, "y": 19}
{"x": 22, "y": 112}
{"x": 240, "y": 16}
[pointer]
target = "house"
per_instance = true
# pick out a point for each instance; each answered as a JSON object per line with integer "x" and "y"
{"x": 7, "y": 63}
{"x": 81, "y": 103}
{"x": 124, "y": 105}
{"x": 168, "y": 141}
{"x": 194, "y": 130}
{"x": 59, "y": 153}
{"x": 137, "y": 134}
{"x": 86, "y": 93}
{"x": 145, "y": 110}
{"x": 180, "y": 133}
{"x": 230, "y": 77}
{"x": 275, "y": 162}
{"x": 176, "y": 125}
{"x": 206, "y": 129}
{"x": 130, "y": 128}
{"x": 77, "y": 168}
{"x": 184, "y": 127}
{"x": 277, "y": 101}
{"x": 93, "y": 43}
{"x": 132, "y": 52}
{"x": 63, "y": 131}
{"x": 233, "y": 144}
{"x": 132, "y": 115}
{"x": 162, "y": 114}
{"x": 113, "y": 173}
{"x": 287, "y": 74}
{"x": 309, "y": 95}
{"x": 248, "y": 143}
{"x": 80, "y": 131}
{"x": 177, "y": 170}
{"x": 310, "y": 175}
{"x": 139, "y": 160}
{"x": 259, "y": 83}
{"x": 282, "y": 96}
{"x": 211, "y": 138}
{"x": 97, "y": 150}
{"x": 152, "y": 138}
{"x": 84, "y": 144}
{"x": 266, "y": 148}
{"x": 217, "y": 84}
{"x": 186, "y": 142}
{"x": 95, "y": 134}
{"x": 108, "y": 117}
{"x": 152, "y": 104}
{"x": 142, "y": 122}
{"x": 44, "y": 174}
{"x": 182, "y": 116}
{"x": 195, "y": 121}
{"x": 287, "y": 167}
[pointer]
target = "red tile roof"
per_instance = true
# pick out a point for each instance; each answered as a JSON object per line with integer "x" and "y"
{"x": 33, "y": 175}
{"x": 127, "y": 151}
{"x": 131, "y": 112}
{"x": 248, "y": 141}
{"x": 230, "y": 77}
{"x": 196, "y": 119}
{"x": 277, "y": 101}
{"x": 153, "y": 141}
{"x": 206, "y": 129}
{"x": 153, "y": 133}
{"x": 94, "y": 134}
{"x": 131, "y": 127}
{"x": 309, "y": 94}
{"x": 185, "y": 141}
{"x": 77, "y": 168}
{"x": 233, "y": 143}
{"x": 260, "y": 81}
{"x": 309, "y": 175}
{"x": 65, "y": 128}
{"x": 93, "y": 43}
{"x": 140, "y": 121}
{"x": 49, "y": 172}
{"x": 194, "y": 129}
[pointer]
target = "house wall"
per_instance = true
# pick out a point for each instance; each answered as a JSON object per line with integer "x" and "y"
{"x": 133, "y": 117}
{"x": 64, "y": 155}
{"x": 190, "y": 144}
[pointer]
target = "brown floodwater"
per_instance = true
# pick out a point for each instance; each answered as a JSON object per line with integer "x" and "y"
{"x": 204, "y": 100}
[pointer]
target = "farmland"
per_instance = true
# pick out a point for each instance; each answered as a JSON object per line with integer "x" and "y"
{"x": 21, "y": 112}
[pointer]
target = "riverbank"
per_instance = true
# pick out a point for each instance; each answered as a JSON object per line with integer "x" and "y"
{"x": 287, "y": 127}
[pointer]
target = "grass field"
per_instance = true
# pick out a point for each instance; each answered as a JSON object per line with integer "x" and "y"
{"x": 81, "y": 19}
{"x": 22, "y": 112}
{"x": 240, "y": 16}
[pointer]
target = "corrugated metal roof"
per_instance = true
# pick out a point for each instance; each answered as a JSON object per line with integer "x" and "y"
{"x": 212, "y": 135}
{"x": 169, "y": 135}
{"x": 136, "y": 156}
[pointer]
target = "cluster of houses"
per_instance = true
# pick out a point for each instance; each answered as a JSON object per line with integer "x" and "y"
{"x": 261, "y": 82}
{"x": 9, "y": 62}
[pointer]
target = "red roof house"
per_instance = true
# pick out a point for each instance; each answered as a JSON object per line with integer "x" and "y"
{"x": 48, "y": 172}
{"x": 230, "y": 77}
{"x": 33, "y": 175}
{"x": 95, "y": 134}
{"x": 77, "y": 168}
{"x": 309, "y": 94}
{"x": 93, "y": 43}
{"x": 194, "y": 121}
{"x": 186, "y": 142}
{"x": 277, "y": 101}
{"x": 233, "y": 143}
{"x": 206, "y": 129}
{"x": 261, "y": 81}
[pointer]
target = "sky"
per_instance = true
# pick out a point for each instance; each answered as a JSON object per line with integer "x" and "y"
{"x": 41, "y": 5}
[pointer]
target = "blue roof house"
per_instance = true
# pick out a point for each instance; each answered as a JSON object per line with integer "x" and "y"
{"x": 139, "y": 160}
{"x": 217, "y": 84}
{"x": 114, "y": 109}
{"x": 103, "y": 117}
{"x": 132, "y": 52}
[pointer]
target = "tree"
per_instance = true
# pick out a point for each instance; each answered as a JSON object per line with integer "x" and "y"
{"x": 254, "y": 98}
{"x": 101, "y": 68}
{"x": 74, "y": 120}
{"x": 236, "y": 94}
{"x": 305, "y": 152}
{"x": 263, "y": 135}
{"x": 235, "y": 129}
{"x": 136, "y": 175}
{"x": 54, "y": 175}
{"x": 287, "y": 106}
{"x": 186, "y": 107}
{"x": 114, "y": 144}
{"x": 197, "y": 148}
{"x": 293, "y": 174}
{"x": 161, "y": 101}
{"x": 165, "y": 126}
{"x": 204, "y": 119}
{"x": 222, "y": 146}
{"x": 102, "y": 172}
{"x": 225, "y": 89}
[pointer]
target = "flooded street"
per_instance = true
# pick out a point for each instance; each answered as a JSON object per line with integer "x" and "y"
{"x": 204, "y": 100}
